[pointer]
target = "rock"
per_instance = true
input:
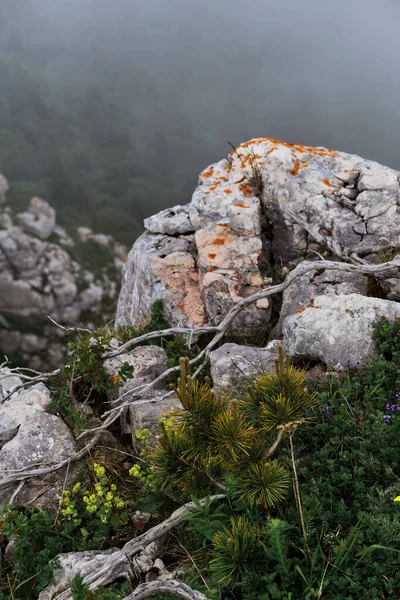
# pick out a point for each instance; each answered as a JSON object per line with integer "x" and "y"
{"x": 336, "y": 329}
{"x": 148, "y": 363}
{"x": 254, "y": 217}
{"x": 304, "y": 289}
{"x": 147, "y": 412}
{"x": 39, "y": 220}
{"x": 3, "y": 188}
{"x": 29, "y": 436}
{"x": 232, "y": 363}
{"x": 160, "y": 268}
{"x": 39, "y": 278}
{"x": 171, "y": 221}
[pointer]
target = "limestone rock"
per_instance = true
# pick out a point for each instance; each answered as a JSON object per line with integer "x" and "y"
{"x": 304, "y": 289}
{"x": 3, "y": 188}
{"x": 160, "y": 267}
{"x": 254, "y": 216}
{"x": 232, "y": 363}
{"x": 172, "y": 221}
{"x": 41, "y": 278}
{"x": 29, "y": 437}
{"x": 336, "y": 329}
{"x": 39, "y": 219}
{"x": 148, "y": 363}
{"x": 146, "y": 413}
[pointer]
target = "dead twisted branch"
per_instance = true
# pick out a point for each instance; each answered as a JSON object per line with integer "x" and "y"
{"x": 173, "y": 587}
{"x": 119, "y": 563}
{"x": 391, "y": 268}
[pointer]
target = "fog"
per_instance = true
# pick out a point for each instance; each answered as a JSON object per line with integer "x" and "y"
{"x": 110, "y": 109}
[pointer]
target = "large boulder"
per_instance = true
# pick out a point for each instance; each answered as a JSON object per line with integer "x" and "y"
{"x": 336, "y": 329}
{"x": 254, "y": 216}
{"x": 30, "y": 437}
{"x": 44, "y": 272}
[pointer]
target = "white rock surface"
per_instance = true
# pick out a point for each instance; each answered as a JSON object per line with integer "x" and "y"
{"x": 39, "y": 278}
{"x": 30, "y": 437}
{"x": 245, "y": 232}
{"x": 172, "y": 221}
{"x": 232, "y": 363}
{"x": 336, "y": 329}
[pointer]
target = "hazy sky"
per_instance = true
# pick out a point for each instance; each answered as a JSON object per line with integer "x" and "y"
{"x": 320, "y": 72}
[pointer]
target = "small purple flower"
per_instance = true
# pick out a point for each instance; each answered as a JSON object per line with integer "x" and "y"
{"x": 392, "y": 407}
{"x": 326, "y": 412}
{"x": 387, "y": 419}
{"x": 352, "y": 365}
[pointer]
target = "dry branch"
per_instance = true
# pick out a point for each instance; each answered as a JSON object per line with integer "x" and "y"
{"x": 391, "y": 268}
{"x": 119, "y": 563}
{"x": 172, "y": 586}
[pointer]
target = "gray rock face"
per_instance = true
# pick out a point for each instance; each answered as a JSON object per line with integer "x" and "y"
{"x": 29, "y": 437}
{"x": 160, "y": 267}
{"x": 252, "y": 215}
{"x": 39, "y": 219}
{"x": 302, "y": 292}
{"x": 336, "y": 329}
{"x": 3, "y": 188}
{"x": 40, "y": 278}
{"x": 147, "y": 413}
{"x": 171, "y": 221}
{"x": 232, "y": 363}
{"x": 148, "y": 363}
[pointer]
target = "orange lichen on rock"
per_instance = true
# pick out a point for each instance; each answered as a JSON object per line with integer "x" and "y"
{"x": 246, "y": 190}
{"x": 208, "y": 173}
{"x": 214, "y": 187}
{"x": 327, "y": 182}
{"x": 297, "y": 166}
{"x": 222, "y": 178}
{"x": 181, "y": 306}
{"x": 302, "y": 309}
{"x": 227, "y": 191}
{"x": 126, "y": 259}
{"x": 347, "y": 310}
{"x": 310, "y": 150}
{"x": 212, "y": 256}
{"x": 240, "y": 205}
{"x": 219, "y": 242}
{"x": 295, "y": 169}
{"x": 229, "y": 168}
{"x": 224, "y": 225}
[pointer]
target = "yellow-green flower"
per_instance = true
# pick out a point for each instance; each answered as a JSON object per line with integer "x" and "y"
{"x": 397, "y": 499}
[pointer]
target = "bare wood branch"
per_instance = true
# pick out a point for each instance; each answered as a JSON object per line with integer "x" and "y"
{"x": 364, "y": 269}
{"x": 388, "y": 268}
{"x": 29, "y": 472}
{"x": 156, "y": 334}
{"x": 171, "y": 586}
{"x": 72, "y": 329}
{"x": 118, "y": 563}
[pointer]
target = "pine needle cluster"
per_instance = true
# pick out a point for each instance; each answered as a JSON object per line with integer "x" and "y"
{"x": 225, "y": 442}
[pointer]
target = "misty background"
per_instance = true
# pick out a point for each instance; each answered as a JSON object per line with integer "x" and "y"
{"x": 110, "y": 109}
